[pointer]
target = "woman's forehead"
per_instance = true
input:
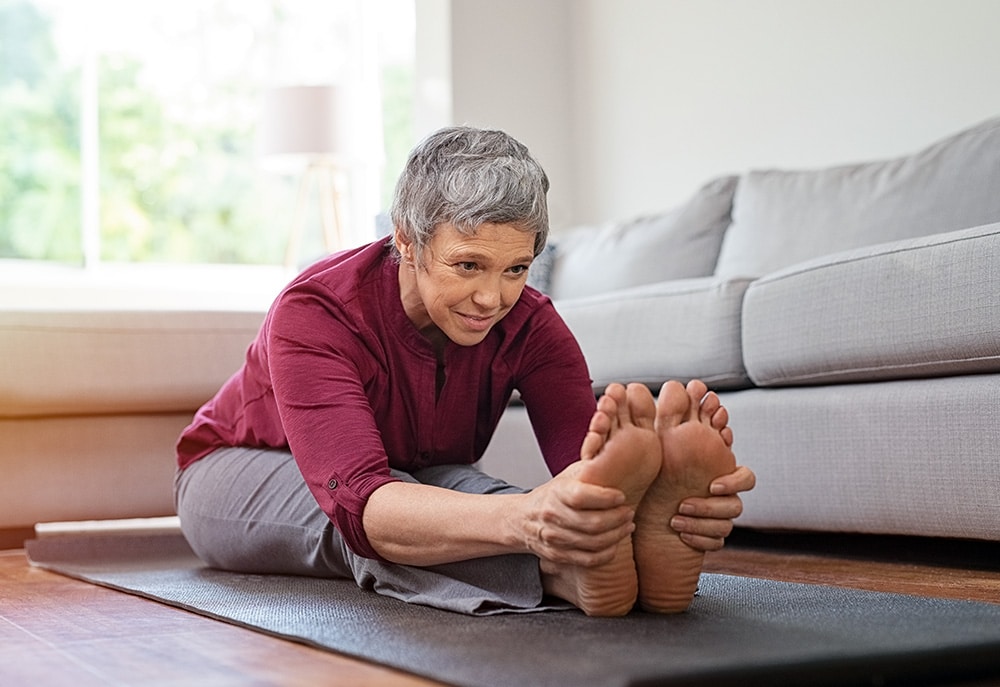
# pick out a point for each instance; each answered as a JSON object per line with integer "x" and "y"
{"x": 490, "y": 240}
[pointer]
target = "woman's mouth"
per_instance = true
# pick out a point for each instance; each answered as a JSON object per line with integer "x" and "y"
{"x": 477, "y": 323}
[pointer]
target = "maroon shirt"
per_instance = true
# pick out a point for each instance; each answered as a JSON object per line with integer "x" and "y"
{"x": 341, "y": 376}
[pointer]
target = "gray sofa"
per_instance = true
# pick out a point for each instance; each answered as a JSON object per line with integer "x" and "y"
{"x": 849, "y": 318}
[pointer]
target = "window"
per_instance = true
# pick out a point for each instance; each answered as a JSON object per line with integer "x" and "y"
{"x": 127, "y": 129}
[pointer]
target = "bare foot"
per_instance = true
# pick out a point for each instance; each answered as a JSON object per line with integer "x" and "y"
{"x": 621, "y": 450}
{"x": 692, "y": 427}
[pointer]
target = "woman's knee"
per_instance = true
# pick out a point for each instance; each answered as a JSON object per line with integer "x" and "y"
{"x": 250, "y": 511}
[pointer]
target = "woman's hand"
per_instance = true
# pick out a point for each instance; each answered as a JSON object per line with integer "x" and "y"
{"x": 704, "y": 523}
{"x": 567, "y": 521}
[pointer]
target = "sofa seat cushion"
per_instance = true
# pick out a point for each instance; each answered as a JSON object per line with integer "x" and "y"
{"x": 785, "y": 217}
{"x": 55, "y": 363}
{"x": 914, "y": 308}
{"x": 672, "y": 330}
{"x": 913, "y": 457}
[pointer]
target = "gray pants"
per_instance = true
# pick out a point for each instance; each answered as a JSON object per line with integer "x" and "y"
{"x": 249, "y": 510}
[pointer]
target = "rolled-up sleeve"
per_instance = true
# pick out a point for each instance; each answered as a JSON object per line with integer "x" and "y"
{"x": 556, "y": 388}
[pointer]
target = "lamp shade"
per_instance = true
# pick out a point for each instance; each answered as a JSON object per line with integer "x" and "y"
{"x": 303, "y": 121}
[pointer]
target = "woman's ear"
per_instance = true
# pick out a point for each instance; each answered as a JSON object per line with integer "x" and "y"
{"x": 403, "y": 245}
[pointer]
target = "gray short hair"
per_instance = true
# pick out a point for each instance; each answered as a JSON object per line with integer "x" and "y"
{"x": 468, "y": 177}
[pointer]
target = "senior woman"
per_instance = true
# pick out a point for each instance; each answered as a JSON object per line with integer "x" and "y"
{"x": 344, "y": 446}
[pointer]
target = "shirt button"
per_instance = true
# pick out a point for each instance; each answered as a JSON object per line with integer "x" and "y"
{"x": 332, "y": 484}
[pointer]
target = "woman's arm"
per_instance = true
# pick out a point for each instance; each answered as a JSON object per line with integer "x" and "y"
{"x": 564, "y": 521}
{"x": 556, "y": 388}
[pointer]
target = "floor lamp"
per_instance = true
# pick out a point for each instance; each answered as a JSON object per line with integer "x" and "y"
{"x": 304, "y": 125}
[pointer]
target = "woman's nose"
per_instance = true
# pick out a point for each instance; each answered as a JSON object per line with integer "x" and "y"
{"x": 488, "y": 294}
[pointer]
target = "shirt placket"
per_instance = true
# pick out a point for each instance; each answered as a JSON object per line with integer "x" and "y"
{"x": 426, "y": 415}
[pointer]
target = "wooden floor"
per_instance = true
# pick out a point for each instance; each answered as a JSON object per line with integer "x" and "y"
{"x": 59, "y": 631}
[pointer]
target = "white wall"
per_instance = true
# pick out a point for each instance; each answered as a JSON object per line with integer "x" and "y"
{"x": 432, "y": 69}
{"x": 631, "y": 104}
{"x": 511, "y": 68}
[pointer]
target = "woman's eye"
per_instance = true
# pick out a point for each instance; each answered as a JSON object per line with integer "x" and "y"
{"x": 467, "y": 266}
{"x": 519, "y": 269}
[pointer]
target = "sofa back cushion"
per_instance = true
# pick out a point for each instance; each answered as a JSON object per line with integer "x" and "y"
{"x": 784, "y": 217}
{"x": 676, "y": 329}
{"x": 681, "y": 243}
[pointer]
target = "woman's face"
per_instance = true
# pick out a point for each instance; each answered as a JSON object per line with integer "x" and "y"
{"x": 463, "y": 285}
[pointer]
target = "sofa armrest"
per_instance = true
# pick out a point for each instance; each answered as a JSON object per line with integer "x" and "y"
{"x": 909, "y": 308}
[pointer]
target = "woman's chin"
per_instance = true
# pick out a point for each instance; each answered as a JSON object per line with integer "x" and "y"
{"x": 466, "y": 336}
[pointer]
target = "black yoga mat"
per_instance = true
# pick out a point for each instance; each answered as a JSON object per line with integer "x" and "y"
{"x": 739, "y": 631}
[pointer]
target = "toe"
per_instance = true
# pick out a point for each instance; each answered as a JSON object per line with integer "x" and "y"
{"x": 641, "y": 405}
{"x": 720, "y": 418}
{"x": 712, "y": 412}
{"x": 622, "y": 414}
{"x": 591, "y": 445}
{"x": 600, "y": 428}
{"x": 710, "y": 404}
{"x": 614, "y": 403}
{"x": 697, "y": 389}
{"x": 672, "y": 405}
